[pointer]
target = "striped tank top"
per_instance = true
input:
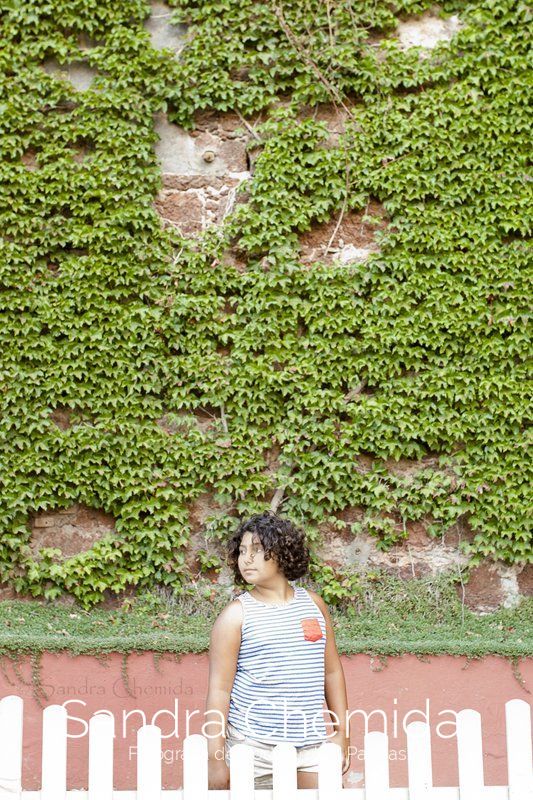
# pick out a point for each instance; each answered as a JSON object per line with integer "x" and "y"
{"x": 278, "y": 690}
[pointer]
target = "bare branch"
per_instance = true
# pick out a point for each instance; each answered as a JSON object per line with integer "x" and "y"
{"x": 223, "y": 418}
{"x": 293, "y": 39}
{"x": 352, "y": 394}
{"x": 247, "y": 125}
{"x": 343, "y": 209}
{"x": 278, "y": 495}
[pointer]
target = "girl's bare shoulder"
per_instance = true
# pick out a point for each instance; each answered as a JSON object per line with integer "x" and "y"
{"x": 231, "y": 616}
{"x": 319, "y": 601}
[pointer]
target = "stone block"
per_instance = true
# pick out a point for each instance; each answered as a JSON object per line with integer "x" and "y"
{"x": 347, "y": 239}
{"x": 525, "y": 580}
{"x": 203, "y": 204}
{"x": 185, "y": 210}
{"x": 197, "y": 153}
{"x": 162, "y": 33}
{"x": 45, "y": 522}
{"x": 349, "y": 254}
{"x": 483, "y": 592}
{"x": 427, "y": 30}
{"x": 72, "y": 530}
{"x": 79, "y": 73}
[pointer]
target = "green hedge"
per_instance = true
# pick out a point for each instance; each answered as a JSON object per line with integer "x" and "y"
{"x": 385, "y": 616}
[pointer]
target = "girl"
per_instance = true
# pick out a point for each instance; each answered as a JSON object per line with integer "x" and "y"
{"x": 273, "y": 659}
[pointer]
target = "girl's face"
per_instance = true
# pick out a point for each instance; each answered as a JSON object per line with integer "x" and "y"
{"x": 251, "y": 561}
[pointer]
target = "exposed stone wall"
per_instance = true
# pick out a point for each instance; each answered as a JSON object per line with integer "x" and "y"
{"x": 72, "y": 530}
{"x": 201, "y": 171}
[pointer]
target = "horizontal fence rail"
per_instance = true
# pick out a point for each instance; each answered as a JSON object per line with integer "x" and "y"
{"x": 195, "y": 763}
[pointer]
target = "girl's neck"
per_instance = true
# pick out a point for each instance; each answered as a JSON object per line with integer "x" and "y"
{"x": 273, "y": 596}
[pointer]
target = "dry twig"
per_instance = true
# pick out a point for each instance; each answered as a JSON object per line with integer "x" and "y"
{"x": 306, "y": 58}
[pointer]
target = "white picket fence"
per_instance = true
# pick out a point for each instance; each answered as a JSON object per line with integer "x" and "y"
{"x": 376, "y": 765}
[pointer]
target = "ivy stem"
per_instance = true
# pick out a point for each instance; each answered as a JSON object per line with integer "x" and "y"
{"x": 330, "y": 88}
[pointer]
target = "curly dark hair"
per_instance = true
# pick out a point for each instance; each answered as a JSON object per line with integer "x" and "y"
{"x": 281, "y": 539}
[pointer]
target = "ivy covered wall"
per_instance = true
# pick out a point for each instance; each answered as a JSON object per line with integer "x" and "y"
{"x": 143, "y": 366}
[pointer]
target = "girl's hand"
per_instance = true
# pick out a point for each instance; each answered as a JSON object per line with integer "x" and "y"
{"x": 343, "y": 741}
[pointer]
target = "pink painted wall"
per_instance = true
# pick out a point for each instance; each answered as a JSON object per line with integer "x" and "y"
{"x": 407, "y": 686}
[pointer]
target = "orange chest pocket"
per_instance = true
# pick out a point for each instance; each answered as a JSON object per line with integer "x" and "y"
{"x": 311, "y": 629}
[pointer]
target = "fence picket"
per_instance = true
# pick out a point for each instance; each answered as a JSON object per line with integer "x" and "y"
{"x": 241, "y": 772}
{"x": 195, "y": 769}
{"x": 329, "y": 771}
{"x": 377, "y": 779}
{"x": 54, "y": 754}
{"x": 11, "y": 716}
{"x": 519, "y": 749}
{"x": 285, "y": 780}
{"x": 101, "y": 730}
{"x": 419, "y": 769}
{"x": 470, "y": 755}
{"x": 149, "y": 763}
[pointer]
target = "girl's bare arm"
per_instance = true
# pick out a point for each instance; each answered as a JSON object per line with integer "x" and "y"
{"x": 224, "y": 647}
{"x": 335, "y": 686}
{"x": 335, "y": 683}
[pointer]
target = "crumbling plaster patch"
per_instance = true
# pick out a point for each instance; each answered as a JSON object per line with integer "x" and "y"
{"x": 164, "y": 35}
{"x": 78, "y": 73}
{"x": 427, "y": 30}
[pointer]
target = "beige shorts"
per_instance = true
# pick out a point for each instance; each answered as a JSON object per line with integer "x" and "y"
{"x": 306, "y": 756}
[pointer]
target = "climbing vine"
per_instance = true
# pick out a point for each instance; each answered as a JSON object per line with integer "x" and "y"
{"x": 131, "y": 330}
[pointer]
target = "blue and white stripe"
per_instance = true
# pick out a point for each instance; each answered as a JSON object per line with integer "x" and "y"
{"x": 278, "y": 691}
